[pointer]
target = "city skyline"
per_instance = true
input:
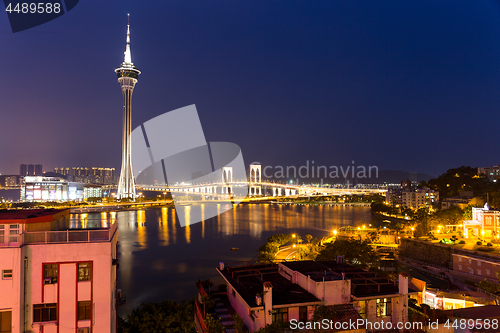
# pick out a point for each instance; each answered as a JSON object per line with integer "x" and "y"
{"x": 405, "y": 89}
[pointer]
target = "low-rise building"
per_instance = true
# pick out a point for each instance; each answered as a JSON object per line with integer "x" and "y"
{"x": 54, "y": 278}
{"x": 291, "y": 291}
{"x": 475, "y": 267}
{"x": 485, "y": 223}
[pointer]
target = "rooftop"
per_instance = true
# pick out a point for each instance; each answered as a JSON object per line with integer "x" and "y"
{"x": 249, "y": 281}
{"x": 477, "y": 312}
{"x": 363, "y": 283}
{"x": 29, "y": 215}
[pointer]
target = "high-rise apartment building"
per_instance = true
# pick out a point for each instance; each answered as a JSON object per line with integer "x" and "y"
{"x": 30, "y": 170}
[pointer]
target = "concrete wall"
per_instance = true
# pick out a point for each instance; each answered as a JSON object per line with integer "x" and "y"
{"x": 333, "y": 292}
{"x": 425, "y": 251}
{"x": 68, "y": 291}
{"x": 241, "y": 307}
{"x": 12, "y": 290}
{"x": 480, "y": 267}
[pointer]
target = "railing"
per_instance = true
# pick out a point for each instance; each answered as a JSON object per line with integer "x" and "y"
{"x": 68, "y": 236}
{"x": 199, "y": 316}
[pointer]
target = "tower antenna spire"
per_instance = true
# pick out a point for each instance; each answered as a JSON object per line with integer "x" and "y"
{"x": 128, "y": 54}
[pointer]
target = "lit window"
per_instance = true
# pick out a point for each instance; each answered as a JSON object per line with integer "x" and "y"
{"x": 2, "y": 232}
{"x": 459, "y": 267}
{"x": 362, "y": 309}
{"x": 50, "y": 274}
{"x": 383, "y": 307}
{"x": 478, "y": 272}
{"x": 479, "y": 263}
{"x": 488, "y": 272}
{"x": 7, "y": 274}
{"x": 44, "y": 312}
{"x": 84, "y": 310}
{"x": 84, "y": 271}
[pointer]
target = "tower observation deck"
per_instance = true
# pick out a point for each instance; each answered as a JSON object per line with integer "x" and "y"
{"x": 127, "y": 77}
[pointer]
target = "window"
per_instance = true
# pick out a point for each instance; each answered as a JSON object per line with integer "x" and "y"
{"x": 50, "y": 274}
{"x": 44, "y": 312}
{"x": 362, "y": 309}
{"x": 459, "y": 267}
{"x": 383, "y": 307}
{"x": 478, "y": 272}
{"x": 6, "y": 275}
{"x": 83, "y": 310}
{"x": 5, "y": 321}
{"x": 84, "y": 272}
{"x": 471, "y": 271}
{"x": 2, "y": 233}
{"x": 303, "y": 313}
{"x": 479, "y": 263}
{"x": 459, "y": 259}
{"x": 13, "y": 233}
{"x": 487, "y": 272}
{"x": 280, "y": 315}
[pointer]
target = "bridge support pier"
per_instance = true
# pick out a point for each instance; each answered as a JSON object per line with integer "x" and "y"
{"x": 255, "y": 190}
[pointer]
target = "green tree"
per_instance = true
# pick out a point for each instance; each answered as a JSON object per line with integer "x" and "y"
{"x": 355, "y": 251}
{"x": 453, "y": 181}
{"x": 279, "y": 239}
{"x": 309, "y": 238}
{"x": 239, "y": 325}
{"x": 213, "y": 325}
{"x": 451, "y": 216}
{"x": 468, "y": 213}
{"x": 208, "y": 303}
{"x": 165, "y": 316}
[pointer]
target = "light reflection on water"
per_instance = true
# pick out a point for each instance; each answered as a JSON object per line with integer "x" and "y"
{"x": 161, "y": 260}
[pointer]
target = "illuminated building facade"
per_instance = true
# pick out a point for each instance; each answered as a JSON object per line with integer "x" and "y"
{"x": 485, "y": 223}
{"x": 127, "y": 77}
{"x": 56, "y": 189}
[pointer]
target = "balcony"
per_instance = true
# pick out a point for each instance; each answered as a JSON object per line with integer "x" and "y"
{"x": 61, "y": 237}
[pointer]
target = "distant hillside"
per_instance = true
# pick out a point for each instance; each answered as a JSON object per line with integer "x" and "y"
{"x": 394, "y": 176}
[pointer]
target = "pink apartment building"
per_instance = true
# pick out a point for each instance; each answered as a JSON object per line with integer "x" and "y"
{"x": 55, "y": 279}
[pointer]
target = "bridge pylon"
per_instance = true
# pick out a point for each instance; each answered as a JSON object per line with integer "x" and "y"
{"x": 255, "y": 179}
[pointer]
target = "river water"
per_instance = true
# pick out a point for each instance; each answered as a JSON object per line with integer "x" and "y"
{"x": 159, "y": 259}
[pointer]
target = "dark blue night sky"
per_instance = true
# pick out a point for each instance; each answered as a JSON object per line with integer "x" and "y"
{"x": 404, "y": 85}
